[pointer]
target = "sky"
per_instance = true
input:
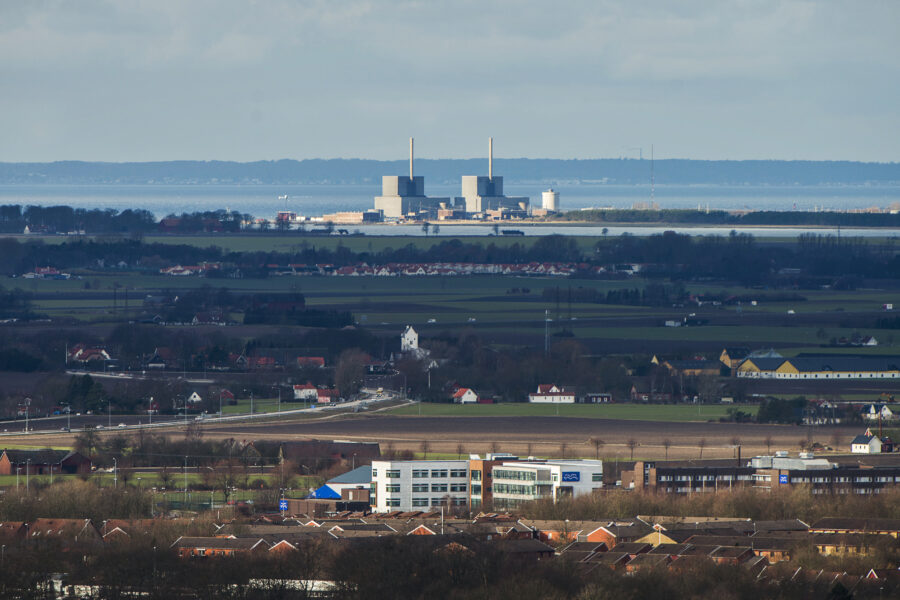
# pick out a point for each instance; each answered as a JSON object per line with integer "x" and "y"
{"x": 139, "y": 80}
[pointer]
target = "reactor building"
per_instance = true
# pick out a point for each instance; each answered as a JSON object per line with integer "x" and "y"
{"x": 402, "y": 196}
{"x": 482, "y": 194}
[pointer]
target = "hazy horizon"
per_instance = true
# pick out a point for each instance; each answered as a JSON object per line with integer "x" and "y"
{"x": 102, "y": 80}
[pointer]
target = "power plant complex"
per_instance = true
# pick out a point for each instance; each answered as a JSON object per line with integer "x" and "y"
{"x": 481, "y": 197}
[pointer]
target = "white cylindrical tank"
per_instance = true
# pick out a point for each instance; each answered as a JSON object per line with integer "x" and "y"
{"x": 550, "y": 200}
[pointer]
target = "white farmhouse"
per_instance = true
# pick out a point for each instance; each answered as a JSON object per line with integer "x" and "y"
{"x": 866, "y": 444}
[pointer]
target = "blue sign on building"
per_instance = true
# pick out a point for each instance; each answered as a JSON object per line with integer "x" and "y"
{"x": 571, "y": 476}
{"x": 782, "y": 479}
{"x": 283, "y": 505}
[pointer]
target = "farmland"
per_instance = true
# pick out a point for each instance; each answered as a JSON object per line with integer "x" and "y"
{"x": 657, "y": 412}
{"x": 506, "y": 310}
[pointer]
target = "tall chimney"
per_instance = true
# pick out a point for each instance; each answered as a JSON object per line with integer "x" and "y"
{"x": 491, "y": 158}
{"x": 410, "y": 159}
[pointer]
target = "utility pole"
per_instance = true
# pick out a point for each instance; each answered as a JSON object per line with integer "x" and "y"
{"x": 115, "y": 473}
{"x": 546, "y": 331}
{"x": 27, "y": 473}
{"x": 185, "y": 482}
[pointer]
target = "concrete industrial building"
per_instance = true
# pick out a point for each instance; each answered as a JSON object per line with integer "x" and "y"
{"x": 481, "y": 194}
{"x": 401, "y": 195}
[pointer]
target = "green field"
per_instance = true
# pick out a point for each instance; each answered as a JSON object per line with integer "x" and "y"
{"x": 493, "y": 305}
{"x": 633, "y": 412}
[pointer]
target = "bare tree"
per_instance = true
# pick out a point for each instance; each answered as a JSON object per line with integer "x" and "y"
{"x": 389, "y": 450}
{"x": 632, "y": 444}
{"x": 836, "y": 440}
{"x": 768, "y": 442}
{"x": 701, "y": 444}
{"x": 529, "y": 447}
{"x": 597, "y": 443}
{"x": 563, "y": 449}
{"x": 667, "y": 443}
{"x": 495, "y": 447}
{"x": 735, "y": 444}
{"x": 425, "y": 446}
{"x": 460, "y": 450}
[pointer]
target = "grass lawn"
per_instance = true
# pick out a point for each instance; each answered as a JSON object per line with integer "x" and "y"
{"x": 642, "y": 412}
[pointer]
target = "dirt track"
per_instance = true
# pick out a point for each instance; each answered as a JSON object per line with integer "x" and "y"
{"x": 542, "y": 436}
{"x": 546, "y": 435}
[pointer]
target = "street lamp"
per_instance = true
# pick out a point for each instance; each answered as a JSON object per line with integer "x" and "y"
{"x": 115, "y": 473}
{"x": 27, "y": 470}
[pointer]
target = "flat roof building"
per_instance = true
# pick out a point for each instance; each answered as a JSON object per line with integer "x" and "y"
{"x": 401, "y": 195}
{"x": 480, "y": 194}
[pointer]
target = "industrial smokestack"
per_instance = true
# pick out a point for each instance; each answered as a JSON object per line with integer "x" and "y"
{"x": 410, "y": 159}
{"x": 491, "y": 158}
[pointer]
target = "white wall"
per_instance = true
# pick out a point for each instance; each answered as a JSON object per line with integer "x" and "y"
{"x": 406, "y": 481}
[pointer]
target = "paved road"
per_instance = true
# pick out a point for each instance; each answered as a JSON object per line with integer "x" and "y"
{"x": 60, "y": 423}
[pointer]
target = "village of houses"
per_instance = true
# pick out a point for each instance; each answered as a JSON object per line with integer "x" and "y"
{"x": 476, "y": 502}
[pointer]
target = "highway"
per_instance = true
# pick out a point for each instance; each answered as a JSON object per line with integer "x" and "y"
{"x": 104, "y": 422}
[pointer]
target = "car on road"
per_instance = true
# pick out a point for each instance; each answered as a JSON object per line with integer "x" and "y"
{"x": 122, "y": 425}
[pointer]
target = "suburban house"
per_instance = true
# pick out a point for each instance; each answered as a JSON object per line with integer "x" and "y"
{"x": 306, "y": 392}
{"x": 83, "y": 354}
{"x": 866, "y": 444}
{"x": 203, "y": 547}
{"x": 465, "y": 396}
{"x": 43, "y": 462}
{"x": 874, "y": 412}
{"x": 859, "y": 526}
{"x": 597, "y": 398}
{"x": 553, "y": 394}
{"x": 310, "y": 362}
{"x": 325, "y": 396}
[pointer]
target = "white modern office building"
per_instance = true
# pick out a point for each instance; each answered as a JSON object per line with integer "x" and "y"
{"x": 419, "y": 484}
{"x": 518, "y": 482}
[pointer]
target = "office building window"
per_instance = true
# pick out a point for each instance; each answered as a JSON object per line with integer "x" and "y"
{"x": 438, "y": 487}
{"x": 418, "y": 488}
{"x": 458, "y": 487}
{"x": 395, "y": 488}
{"x": 439, "y": 472}
{"x": 393, "y": 474}
{"x": 420, "y": 473}
{"x": 458, "y": 473}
